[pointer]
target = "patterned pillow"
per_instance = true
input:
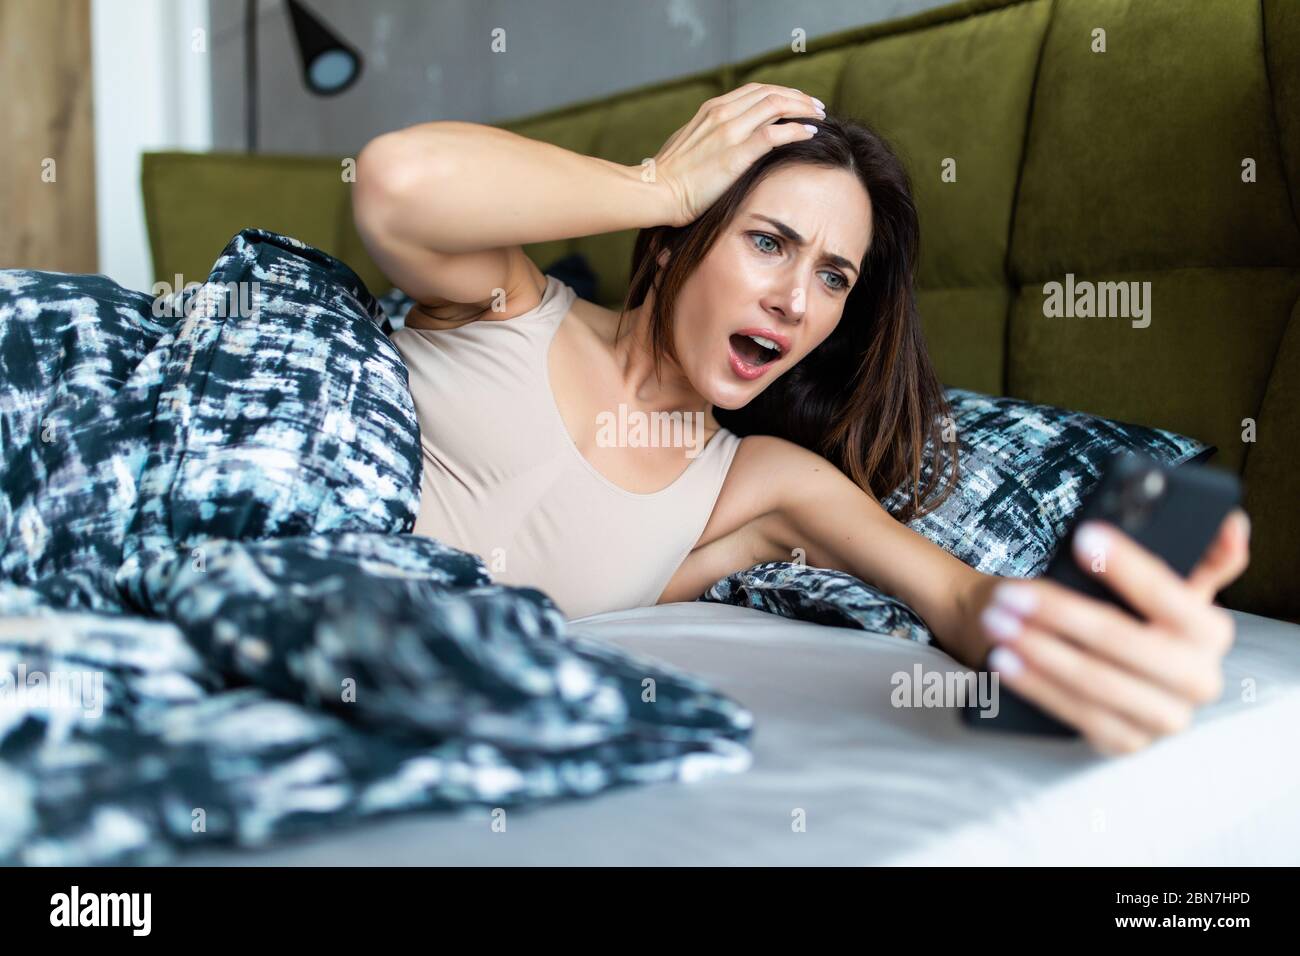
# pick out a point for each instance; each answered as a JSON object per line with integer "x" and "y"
{"x": 1025, "y": 470}
{"x": 820, "y": 595}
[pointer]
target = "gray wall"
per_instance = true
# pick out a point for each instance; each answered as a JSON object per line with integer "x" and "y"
{"x": 431, "y": 59}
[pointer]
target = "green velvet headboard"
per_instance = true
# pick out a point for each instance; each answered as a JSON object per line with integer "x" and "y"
{"x": 1122, "y": 165}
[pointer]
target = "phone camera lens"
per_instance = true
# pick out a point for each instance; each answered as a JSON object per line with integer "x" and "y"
{"x": 1139, "y": 493}
{"x": 1153, "y": 484}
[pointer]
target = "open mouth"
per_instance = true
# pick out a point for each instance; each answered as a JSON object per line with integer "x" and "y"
{"x": 754, "y": 350}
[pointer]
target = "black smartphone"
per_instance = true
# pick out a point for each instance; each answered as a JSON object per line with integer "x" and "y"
{"x": 1173, "y": 512}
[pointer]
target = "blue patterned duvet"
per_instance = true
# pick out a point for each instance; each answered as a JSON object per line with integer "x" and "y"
{"x": 216, "y": 625}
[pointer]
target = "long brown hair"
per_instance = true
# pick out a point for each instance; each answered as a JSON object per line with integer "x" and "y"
{"x": 867, "y": 398}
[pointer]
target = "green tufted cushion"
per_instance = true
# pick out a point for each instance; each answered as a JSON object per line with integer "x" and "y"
{"x": 1199, "y": 368}
{"x": 957, "y": 90}
{"x": 1133, "y": 170}
{"x": 817, "y": 74}
{"x": 195, "y": 203}
{"x": 1134, "y": 155}
{"x": 1272, "y": 492}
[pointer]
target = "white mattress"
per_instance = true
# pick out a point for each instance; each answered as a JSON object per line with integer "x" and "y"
{"x": 885, "y": 785}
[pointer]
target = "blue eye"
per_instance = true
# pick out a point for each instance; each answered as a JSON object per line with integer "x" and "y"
{"x": 843, "y": 282}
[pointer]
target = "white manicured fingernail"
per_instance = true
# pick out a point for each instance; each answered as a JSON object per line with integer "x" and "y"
{"x": 1243, "y": 519}
{"x": 1090, "y": 540}
{"x": 810, "y": 128}
{"x": 1000, "y": 625}
{"x": 1005, "y": 662}
{"x": 820, "y": 105}
{"x": 1015, "y": 597}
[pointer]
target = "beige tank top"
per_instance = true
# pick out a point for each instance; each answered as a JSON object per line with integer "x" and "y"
{"x": 503, "y": 479}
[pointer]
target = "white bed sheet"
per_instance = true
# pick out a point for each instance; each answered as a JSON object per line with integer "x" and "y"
{"x": 885, "y": 785}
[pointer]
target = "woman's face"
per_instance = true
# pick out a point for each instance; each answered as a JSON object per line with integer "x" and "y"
{"x": 780, "y": 271}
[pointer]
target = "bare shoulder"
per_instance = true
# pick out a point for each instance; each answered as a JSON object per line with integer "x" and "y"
{"x": 765, "y": 475}
{"x": 775, "y": 462}
{"x": 598, "y": 320}
{"x": 771, "y": 477}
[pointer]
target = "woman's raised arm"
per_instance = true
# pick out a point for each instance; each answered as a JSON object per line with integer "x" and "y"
{"x": 445, "y": 190}
{"x": 454, "y": 187}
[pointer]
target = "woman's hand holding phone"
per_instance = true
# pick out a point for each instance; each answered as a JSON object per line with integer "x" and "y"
{"x": 728, "y": 133}
{"x": 1121, "y": 681}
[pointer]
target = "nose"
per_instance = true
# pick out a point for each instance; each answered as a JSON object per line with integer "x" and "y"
{"x": 789, "y": 303}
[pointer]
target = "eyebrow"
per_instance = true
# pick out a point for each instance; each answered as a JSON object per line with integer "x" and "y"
{"x": 800, "y": 241}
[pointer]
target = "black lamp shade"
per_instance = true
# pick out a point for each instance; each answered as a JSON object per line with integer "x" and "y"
{"x": 329, "y": 65}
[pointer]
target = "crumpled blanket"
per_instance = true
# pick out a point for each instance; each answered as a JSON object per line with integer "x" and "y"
{"x": 216, "y": 625}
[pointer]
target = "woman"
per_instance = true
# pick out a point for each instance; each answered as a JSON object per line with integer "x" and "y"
{"x": 773, "y": 282}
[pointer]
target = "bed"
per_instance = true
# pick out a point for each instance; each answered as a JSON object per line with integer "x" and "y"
{"x": 274, "y": 657}
{"x": 880, "y": 785}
